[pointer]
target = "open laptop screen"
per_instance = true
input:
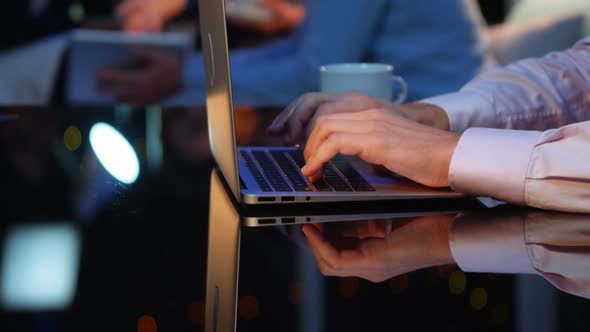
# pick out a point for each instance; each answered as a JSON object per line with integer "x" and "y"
{"x": 219, "y": 95}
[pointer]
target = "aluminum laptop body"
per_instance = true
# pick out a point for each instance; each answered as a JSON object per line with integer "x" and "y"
{"x": 254, "y": 174}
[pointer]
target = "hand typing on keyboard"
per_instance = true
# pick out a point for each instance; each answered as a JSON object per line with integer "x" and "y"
{"x": 411, "y": 140}
{"x": 379, "y": 137}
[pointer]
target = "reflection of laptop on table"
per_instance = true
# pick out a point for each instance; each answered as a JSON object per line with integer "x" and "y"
{"x": 226, "y": 228}
{"x": 261, "y": 175}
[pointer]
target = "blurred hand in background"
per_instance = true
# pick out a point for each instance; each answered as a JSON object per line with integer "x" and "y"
{"x": 148, "y": 15}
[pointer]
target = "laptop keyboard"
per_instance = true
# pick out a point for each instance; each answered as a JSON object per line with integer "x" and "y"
{"x": 282, "y": 170}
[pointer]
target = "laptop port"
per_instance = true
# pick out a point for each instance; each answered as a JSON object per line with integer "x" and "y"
{"x": 288, "y": 199}
{"x": 267, "y": 199}
{"x": 268, "y": 221}
{"x": 288, "y": 220}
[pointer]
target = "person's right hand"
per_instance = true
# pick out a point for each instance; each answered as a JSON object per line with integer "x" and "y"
{"x": 296, "y": 122}
{"x": 148, "y": 15}
{"x": 379, "y": 250}
{"x": 284, "y": 15}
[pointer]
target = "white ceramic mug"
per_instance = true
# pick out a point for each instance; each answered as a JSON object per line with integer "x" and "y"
{"x": 373, "y": 79}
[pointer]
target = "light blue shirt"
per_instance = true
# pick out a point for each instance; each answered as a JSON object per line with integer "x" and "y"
{"x": 434, "y": 45}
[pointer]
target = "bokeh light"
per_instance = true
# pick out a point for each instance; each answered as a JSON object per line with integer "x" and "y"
{"x": 39, "y": 267}
{"x": 147, "y": 323}
{"x": 478, "y": 299}
{"x": 457, "y": 282}
{"x": 72, "y": 138}
{"x": 77, "y": 12}
{"x": 248, "y": 308}
{"x": 114, "y": 153}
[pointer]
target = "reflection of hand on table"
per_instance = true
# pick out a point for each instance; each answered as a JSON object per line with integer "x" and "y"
{"x": 376, "y": 250}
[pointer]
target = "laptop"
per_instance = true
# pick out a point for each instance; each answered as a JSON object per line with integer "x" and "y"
{"x": 271, "y": 175}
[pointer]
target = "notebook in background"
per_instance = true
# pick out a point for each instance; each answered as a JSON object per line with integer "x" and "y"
{"x": 91, "y": 50}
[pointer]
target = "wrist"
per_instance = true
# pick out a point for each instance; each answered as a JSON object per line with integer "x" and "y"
{"x": 441, "y": 250}
{"x": 427, "y": 114}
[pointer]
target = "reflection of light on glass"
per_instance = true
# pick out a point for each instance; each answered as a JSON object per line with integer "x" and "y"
{"x": 146, "y": 323}
{"x": 457, "y": 282}
{"x": 72, "y": 138}
{"x": 114, "y": 153}
{"x": 349, "y": 287}
{"x": 77, "y": 12}
{"x": 248, "y": 308}
{"x": 478, "y": 298}
{"x": 39, "y": 267}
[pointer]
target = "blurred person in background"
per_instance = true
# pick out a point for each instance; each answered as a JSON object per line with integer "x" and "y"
{"x": 32, "y": 61}
{"x": 434, "y": 47}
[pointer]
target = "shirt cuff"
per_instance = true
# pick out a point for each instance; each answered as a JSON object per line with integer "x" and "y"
{"x": 495, "y": 245}
{"x": 465, "y": 110}
{"x": 493, "y": 162}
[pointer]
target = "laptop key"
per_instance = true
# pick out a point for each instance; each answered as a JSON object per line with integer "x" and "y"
{"x": 356, "y": 180}
{"x": 299, "y": 160}
{"x": 271, "y": 171}
{"x": 251, "y": 164}
{"x": 293, "y": 174}
{"x": 334, "y": 179}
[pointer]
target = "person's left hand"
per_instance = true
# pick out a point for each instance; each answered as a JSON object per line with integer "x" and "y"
{"x": 157, "y": 75}
{"x": 380, "y": 137}
{"x": 379, "y": 250}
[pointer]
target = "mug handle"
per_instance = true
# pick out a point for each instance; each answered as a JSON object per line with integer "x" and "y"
{"x": 403, "y": 95}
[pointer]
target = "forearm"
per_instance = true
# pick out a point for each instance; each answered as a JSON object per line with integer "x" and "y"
{"x": 534, "y": 94}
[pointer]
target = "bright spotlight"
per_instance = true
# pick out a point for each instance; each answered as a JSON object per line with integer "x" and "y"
{"x": 39, "y": 267}
{"x": 114, "y": 153}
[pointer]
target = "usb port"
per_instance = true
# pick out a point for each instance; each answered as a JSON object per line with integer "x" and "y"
{"x": 267, "y": 199}
{"x": 268, "y": 221}
{"x": 288, "y": 220}
{"x": 288, "y": 199}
